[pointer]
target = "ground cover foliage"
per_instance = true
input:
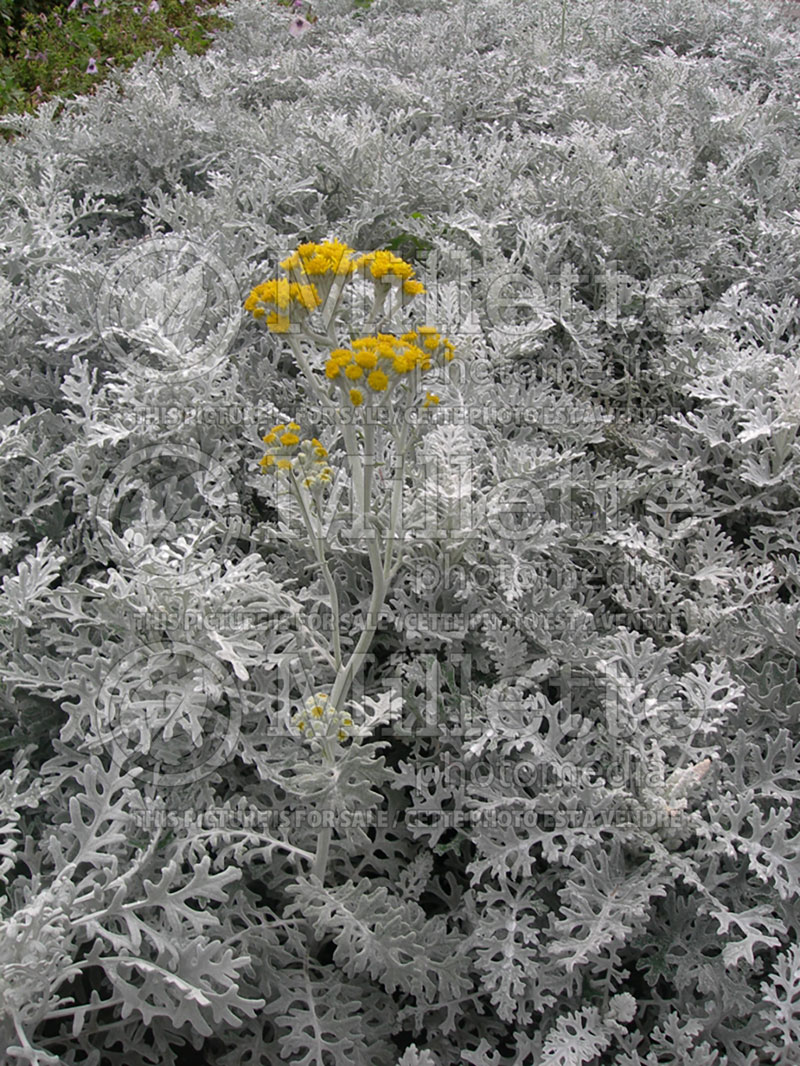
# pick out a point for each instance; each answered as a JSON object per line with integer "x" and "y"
{"x": 567, "y": 831}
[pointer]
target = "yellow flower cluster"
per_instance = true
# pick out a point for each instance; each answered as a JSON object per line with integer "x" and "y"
{"x": 317, "y": 260}
{"x": 283, "y": 302}
{"x": 373, "y": 366}
{"x": 384, "y": 264}
{"x": 337, "y": 258}
{"x": 320, "y": 720}
{"x": 378, "y": 363}
{"x": 307, "y": 458}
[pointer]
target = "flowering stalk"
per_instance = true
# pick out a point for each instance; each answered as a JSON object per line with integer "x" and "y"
{"x": 318, "y": 541}
{"x": 377, "y": 372}
{"x": 302, "y": 362}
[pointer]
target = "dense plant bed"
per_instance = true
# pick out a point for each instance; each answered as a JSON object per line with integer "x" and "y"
{"x": 399, "y": 541}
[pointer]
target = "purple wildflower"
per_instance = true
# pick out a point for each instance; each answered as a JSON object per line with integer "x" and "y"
{"x": 92, "y": 67}
{"x": 73, "y": 5}
{"x": 153, "y": 6}
{"x": 298, "y": 26}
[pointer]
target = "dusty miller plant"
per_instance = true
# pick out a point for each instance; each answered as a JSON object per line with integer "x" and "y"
{"x": 563, "y": 823}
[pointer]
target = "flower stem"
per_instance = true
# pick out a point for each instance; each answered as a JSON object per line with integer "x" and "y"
{"x": 302, "y": 362}
{"x": 397, "y": 499}
{"x": 321, "y": 858}
{"x": 318, "y": 541}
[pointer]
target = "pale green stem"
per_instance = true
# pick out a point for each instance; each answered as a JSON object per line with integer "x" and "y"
{"x": 329, "y": 312}
{"x": 356, "y": 469}
{"x": 381, "y": 573}
{"x": 397, "y": 499}
{"x": 358, "y": 475}
{"x": 369, "y": 464}
{"x": 323, "y": 848}
{"x": 318, "y": 541}
{"x": 390, "y": 311}
{"x": 321, "y": 340}
{"x": 302, "y": 362}
{"x": 382, "y": 569}
{"x": 375, "y": 310}
{"x": 347, "y": 673}
{"x": 381, "y": 562}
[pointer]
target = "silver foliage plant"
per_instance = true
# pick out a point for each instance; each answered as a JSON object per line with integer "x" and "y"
{"x": 562, "y": 825}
